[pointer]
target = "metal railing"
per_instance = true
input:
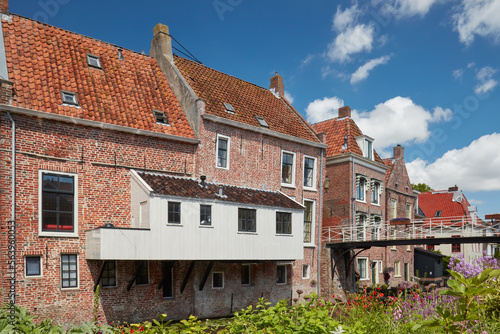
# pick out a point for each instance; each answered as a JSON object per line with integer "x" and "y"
{"x": 405, "y": 229}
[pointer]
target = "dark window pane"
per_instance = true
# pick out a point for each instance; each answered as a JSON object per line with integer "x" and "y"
{"x": 66, "y": 202}
{"x": 205, "y": 215}
{"x": 66, "y": 183}
{"x": 174, "y": 213}
{"x": 50, "y": 182}
{"x": 33, "y": 266}
{"x": 49, "y": 221}
{"x": 168, "y": 276}
{"x": 49, "y": 201}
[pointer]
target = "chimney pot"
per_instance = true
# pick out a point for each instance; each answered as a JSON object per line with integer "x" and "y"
{"x": 345, "y": 112}
{"x": 399, "y": 152}
{"x": 277, "y": 85}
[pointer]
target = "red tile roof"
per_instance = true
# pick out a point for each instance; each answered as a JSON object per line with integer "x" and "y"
{"x": 430, "y": 202}
{"x": 187, "y": 187}
{"x": 248, "y": 100}
{"x": 336, "y": 129}
{"x": 42, "y": 60}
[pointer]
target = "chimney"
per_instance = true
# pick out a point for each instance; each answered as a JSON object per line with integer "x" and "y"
{"x": 161, "y": 45}
{"x": 6, "y": 91}
{"x": 345, "y": 112}
{"x": 399, "y": 152}
{"x": 4, "y": 6}
{"x": 452, "y": 189}
{"x": 277, "y": 85}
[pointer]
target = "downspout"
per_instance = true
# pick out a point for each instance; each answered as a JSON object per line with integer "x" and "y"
{"x": 318, "y": 267}
{"x": 353, "y": 219}
{"x": 12, "y": 229}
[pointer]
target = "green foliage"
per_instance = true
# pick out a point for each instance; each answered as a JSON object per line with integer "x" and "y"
{"x": 422, "y": 187}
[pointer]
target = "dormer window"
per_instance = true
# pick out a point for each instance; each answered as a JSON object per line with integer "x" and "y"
{"x": 229, "y": 108}
{"x": 365, "y": 143}
{"x": 262, "y": 122}
{"x": 438, "y": 213}
{"x": 93, "y": 61}
{"x": 160, "y": 117}
{"x": 69, "y": 98}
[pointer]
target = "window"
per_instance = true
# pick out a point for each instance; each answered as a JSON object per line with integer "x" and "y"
{"x": 174, "y": 213}
{"x": 397, "y": 269}
{"x": 218, "y": 280}
{"x": 281, "y": 274}
{"x": 408, "y": 236}
{"x": 283, "y": 223}
{"x": 246, "y": 274}
{"x": 58, "y": 203}
{"x": 69, "y": 270}
{"x": 141, "y": 269}
{"x": 229, "y": 108}
{"x": 69, "y": 98}
{"x": 309, "y": 172}
{"x": 305, "y": 271}
{"x": 109, "y": 274}
{"x": 222, "y": 152}
{"x": 438, "y": 213}
{"x": 33, "y": 265}
{"x": 369, "y": 149}
{"x": 205, "y": 214}
{"x": 262, "y": 122}
{"x": 247, "y": 220}
{"x": 168, "y": 279}
{"x": 375, "y": 192}
{"x": 456, "y": 248}
{"x": 308, "y": 221}
{"x": 407, "y": 272}
{"x": 362, "y": 268}
{"x": 394, "y": 233}
{"x": 376, "y": 222}
{"x": 361, "y": 227}
{"x": 360, "y": 188}
{"x": 365, "y": 143}
{"x": 431, "y": 247}
{"x": 394, "y": 208}
{"x": 93, "y": 61}
{"x": 160, "y": 117}
{"x": 408, "y": 210}
{"x": 287, "y": 168}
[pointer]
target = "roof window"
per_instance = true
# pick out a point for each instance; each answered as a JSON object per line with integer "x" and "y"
{"x": 160, "y": 117}
{"x": 438, "y": 213}
{"x": 229, "y": 108}
{"x": 262, "y": 122}
{"x": 93, "y": 61}
{"x": 69, "y": 98}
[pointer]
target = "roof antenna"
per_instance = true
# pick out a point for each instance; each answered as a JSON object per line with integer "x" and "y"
{"x": 344, "y": 147}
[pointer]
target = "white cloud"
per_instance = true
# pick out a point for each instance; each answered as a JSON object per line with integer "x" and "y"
{"x": 441, "y": 114}
{"x": 408, "y": 8}
{"x": 458, "y": 74}
{"x": 477, "y": 17}
{"x": 398, "y": 121}
{"x": 364, "y": 71}
{"x": 289, "y": 97}
{"x": 472, "y": 168}
{"x": 307, "y": 60}
{"x": 352, "y": 36}
{"x": 320, "y": 110}
{"x": 485, "y": 80}
{"x": 475, "y": 201}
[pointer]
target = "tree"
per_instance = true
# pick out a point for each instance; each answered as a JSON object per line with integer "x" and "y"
{"x": 422, "y": 187}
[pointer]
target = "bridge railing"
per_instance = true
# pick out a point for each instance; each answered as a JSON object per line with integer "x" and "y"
{"x": 411, "y": 229}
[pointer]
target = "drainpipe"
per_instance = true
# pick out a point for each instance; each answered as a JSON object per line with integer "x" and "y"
{"x": 12, "y": 228}
{"x": 319, "y": 224}
{"x": 353, "y": 217}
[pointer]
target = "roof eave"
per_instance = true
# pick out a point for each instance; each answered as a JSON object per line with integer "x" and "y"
{"x": 353, "y": 157}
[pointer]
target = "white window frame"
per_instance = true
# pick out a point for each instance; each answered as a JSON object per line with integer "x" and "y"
{"x": 218, "y": 273}
{"x": 313, "y": 223}
{"x": 375, "y": 188}
{"x": 286, "y": 274}
{"x": 77, "y": 272}
{"x": 409, "y": 212}
{"x": 397, "y": 268}
{"x": 362, "y": 142}
{"x": 74, "y": 100}
{"x": 360, "y": 177}
{"x": 26, "y": 266}
{"x": 358, "y": 265}
{"x": 180, "y": 213}
{"x": 363, "y": 226}
{"x": 307, "y": 269}
{"x": 294, "y": 164}
{"x": 394, "y": 208}
{"x": 313, "y": 187}
{"x": 40, "y": 209}
{"x": 91, "y": 57}
{"x": 228, "y": 140}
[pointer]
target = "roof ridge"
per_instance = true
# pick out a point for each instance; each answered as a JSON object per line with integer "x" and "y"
{"x": 75, "y": 33}
{"x": 326, "y": 120}
{"x": 291, "y": 107}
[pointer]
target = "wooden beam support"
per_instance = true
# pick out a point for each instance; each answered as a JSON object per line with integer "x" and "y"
{"x": 188, "y": 274}
{"x": 129, "y": 286}
{"x": 205, "y": 277}
{"x": 103, "y": 264}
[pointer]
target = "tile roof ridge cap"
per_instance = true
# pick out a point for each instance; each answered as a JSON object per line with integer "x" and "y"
{"x": 301, "y": 118}
{"x": 326, "y": 120}
{"x": 165, "y": 175}
{"x": 229, "y": 75}
{"x": 78, "y": 34}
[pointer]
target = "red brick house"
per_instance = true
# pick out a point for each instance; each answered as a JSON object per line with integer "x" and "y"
{"x": 177, "y": 188}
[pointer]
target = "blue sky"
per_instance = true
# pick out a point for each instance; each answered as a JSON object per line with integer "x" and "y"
{"x": 421, "y": 73}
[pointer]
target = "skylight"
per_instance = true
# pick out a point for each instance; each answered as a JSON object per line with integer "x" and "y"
{"x": 438, "y": 213}
{"x": 69, "y": 98}
{"x": 93, "y": 61}
{"x": 160, "y": 117}
{"x": 229, "y": 108}
{"x": 262, "y": 122}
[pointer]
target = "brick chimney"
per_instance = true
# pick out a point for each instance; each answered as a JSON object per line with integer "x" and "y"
{"x": 453, "y": 189}
{"x": 277, "y": 85}
{"x": 399, "y": 152}
{"x": 345, "y": 112}
{"x": 4, "y": 6}
{"x": 6, "y": 91}
{"x": 161, "y": 43}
